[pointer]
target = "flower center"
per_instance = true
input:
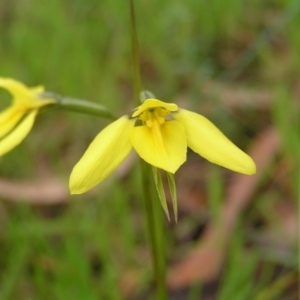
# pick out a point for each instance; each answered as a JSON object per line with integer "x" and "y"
{"x": 154, "y": 117}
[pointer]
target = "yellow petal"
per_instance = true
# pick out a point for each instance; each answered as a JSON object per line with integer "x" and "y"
{"x": 23, "y": 95}
{"x": 153, "y": 103}
{"x": 19, "y": 91}
{"x": 162, "y": 146}
{"x": 37, "y": 89}
{"x": 9, "y": 119}
{"x": 107, "y": 151}
{"x": 18, "y": 134}
{"x": 206, "y": 139}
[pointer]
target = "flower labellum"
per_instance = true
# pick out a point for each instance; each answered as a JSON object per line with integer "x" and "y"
{"x": 160, "y": 133}
{"x": 17, "y": 120}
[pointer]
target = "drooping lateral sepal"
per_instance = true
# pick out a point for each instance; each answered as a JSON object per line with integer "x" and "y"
{"x": 172, "y": 189}
{"x": 160, "y": 190}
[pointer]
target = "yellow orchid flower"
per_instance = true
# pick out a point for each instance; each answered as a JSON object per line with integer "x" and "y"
{"x": 17, "y": 120}
{"x": 160, "y": 133}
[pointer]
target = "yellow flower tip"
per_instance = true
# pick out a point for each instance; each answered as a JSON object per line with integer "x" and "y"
{"x": 75, "y": 188}
{"x": 79, "y": 184}
{"x": 250, "y": 167}
{"x": 37, "y": 89}
{"x": 77, "y": 192}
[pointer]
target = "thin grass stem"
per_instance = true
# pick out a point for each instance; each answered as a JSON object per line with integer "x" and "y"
{"x": 155, "y": 232}
{"x": 135, "y": 56}
{"x": 153, "y": 211}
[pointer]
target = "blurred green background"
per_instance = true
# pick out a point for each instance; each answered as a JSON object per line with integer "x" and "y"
{"x": 236, "y": 62}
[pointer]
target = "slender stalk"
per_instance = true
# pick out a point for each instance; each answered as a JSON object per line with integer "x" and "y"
{"x": 159, "y": 218}
{"x": 135, "y": 56}
{"x": 77, "y": 105}
{"x": 153, "y": 210}
{"x": 156, "y": 233}
{"x": 84, "y": 106}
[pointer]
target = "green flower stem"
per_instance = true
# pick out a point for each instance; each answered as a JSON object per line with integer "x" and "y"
{"x": 135, "y": 56}
{"x": 78, "y": 105}
{"x": 156, "y": 232}
{"x": 153, "y": 209}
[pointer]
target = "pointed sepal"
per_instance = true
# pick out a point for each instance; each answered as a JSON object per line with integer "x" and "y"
{"x": 160, "y": 190}
{"x": 172, "y": 188}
